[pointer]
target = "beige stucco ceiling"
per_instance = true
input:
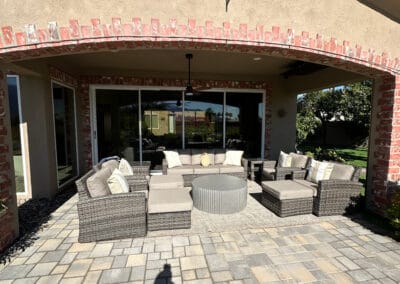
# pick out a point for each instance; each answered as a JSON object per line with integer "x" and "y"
{"x": 169, "y": 64}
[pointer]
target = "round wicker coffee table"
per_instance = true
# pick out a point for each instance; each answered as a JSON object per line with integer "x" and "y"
{"x": 219, "y": 194}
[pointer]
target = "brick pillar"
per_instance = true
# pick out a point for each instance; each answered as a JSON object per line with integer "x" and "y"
{"x": 384, "y": 153}
{"x": 268, "y": 122}
{"x": 8, "y": 218}
{"x": 84, "y": 126}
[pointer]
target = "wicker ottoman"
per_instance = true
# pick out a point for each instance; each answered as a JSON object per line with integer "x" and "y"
{"x": 171, "y": 181}
{"x": 287, "y": 198}
{"x": 169, "y": 209}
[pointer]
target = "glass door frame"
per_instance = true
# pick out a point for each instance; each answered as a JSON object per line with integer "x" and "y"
{"x": 75, "y": 131}
{"x": 93, "y": 116}
{"x": 23, "y": 140}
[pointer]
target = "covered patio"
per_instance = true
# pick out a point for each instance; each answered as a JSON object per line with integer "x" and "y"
{"x": 253, "y": 246}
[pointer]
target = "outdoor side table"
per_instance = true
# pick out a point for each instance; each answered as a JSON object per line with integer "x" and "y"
{"x": 255, "y": 165}
{"x": 219, "y": 194}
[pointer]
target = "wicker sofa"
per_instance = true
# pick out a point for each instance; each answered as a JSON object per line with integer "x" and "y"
{"x": 191, "y": 167}
{"x": 337, "y": 195}
{"x": 114, "y": 216}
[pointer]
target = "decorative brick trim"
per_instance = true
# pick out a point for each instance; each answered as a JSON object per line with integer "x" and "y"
{"x": 7, "y": 219}
{"x": 84, "y": 101}
{"x": 54, "y": 40}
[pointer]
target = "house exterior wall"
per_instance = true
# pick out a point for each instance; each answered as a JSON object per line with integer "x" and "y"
{"x": 37, "y": 112}
{"x": 342, "y": 19}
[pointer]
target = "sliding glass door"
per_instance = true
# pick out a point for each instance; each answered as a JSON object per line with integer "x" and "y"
{"x": 140, "y": 124}
{"x": 65, "y": 133}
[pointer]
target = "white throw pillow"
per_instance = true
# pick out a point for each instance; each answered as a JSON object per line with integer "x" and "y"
{"x": 319, "y": 171}
{"x": 125, "y": 167}
{"x": 285, "y": 160}
{"x": 117, "y": 182}
{"x": 233, "y": 158}
{"x": 173, "y": 159}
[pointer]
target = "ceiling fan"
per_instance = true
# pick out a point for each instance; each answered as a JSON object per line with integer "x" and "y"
{"x": 190, "y": 91}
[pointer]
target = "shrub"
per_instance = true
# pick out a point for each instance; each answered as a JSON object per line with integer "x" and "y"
{"x": 393, "y": 213}
{"x": 328, "y": 155}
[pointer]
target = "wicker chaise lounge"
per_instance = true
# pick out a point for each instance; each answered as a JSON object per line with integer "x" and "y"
{"x": 110, "y": 217}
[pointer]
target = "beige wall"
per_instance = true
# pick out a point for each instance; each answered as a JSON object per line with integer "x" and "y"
{"x": 37, "y": 113}
{"x": 283, "y": 128}
{"x": 341, "y": 19}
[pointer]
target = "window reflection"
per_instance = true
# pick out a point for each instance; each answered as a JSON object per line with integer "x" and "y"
{"x": 204, "y": 120}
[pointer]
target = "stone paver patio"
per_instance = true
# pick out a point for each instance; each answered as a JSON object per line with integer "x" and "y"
{"x": 253, "y": 246}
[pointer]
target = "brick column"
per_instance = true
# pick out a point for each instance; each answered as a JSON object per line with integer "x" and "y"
{"x": 384, "y": 153}
{"x": 9, "y": 218}
{"x": 85, "y": 132}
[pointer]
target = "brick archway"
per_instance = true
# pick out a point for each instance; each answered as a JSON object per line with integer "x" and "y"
{"x": 384, "y": 160}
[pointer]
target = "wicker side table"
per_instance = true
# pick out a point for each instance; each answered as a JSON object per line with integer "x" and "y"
{"x": 219, "y": 194}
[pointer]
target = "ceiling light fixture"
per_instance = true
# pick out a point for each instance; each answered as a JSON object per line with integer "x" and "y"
{"x": 257, "y": 58}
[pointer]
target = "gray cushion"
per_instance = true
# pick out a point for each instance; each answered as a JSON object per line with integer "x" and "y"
{"x": 111, "y": 164}
{"x": 224, "y": 169}
{"x": 298, "y": 161}
{"x": 219, "y": 156}
{"x": 170, "y": 181}
{"x": 97, "y": 183}
{"x": 287, "y": 189}
{"x": 309, "y": 184}
{"x": 268, "y": 173}
{"x": 169, "y": 200}
{"x": 183, "y": 170}
{"x": 342, "y": 171}
{"x": 185, "y": 156}
{"x": 206, "y": 170}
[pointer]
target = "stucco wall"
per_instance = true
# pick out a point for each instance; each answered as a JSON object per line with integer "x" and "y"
{"x": 342, "y": 19}
{"x": 283, "y": 120}
{"x": 37, "y": 113}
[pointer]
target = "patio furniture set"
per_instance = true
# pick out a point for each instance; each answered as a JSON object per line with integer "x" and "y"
{"x": 213, "y": 181}
{"x": 305, "y": 186}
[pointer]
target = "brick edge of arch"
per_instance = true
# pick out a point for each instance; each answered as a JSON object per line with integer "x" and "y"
{"x": 33, "y": 42}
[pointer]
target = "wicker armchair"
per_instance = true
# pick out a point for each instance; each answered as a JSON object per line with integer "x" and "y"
{"x": 334, "y": 196}
{"x": 271, "y": 171}
{"x": 113, "y": 216}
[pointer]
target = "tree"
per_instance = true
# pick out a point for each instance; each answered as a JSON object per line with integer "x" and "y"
{"x": 348, "y": 103}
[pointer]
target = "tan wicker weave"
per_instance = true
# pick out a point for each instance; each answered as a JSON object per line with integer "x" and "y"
{"x": 287, "y": 207}
{"x": 169, "y": 221}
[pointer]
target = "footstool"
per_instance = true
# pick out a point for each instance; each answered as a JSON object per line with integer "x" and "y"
{"x": 169, "y": 209}
{"x": 287, "y": 198}
{"x": 170, "y": 181}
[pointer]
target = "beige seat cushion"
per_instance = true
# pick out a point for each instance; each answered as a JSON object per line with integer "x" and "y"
{"x": 298, "y": 161}
{"x": 224, "y": 169}
{"x": 185, "y": 156}
{"x": 341, "y": 171}
{"x": 309, "y": 184}
{"x": 268, "y": 173}
{"x": 184, "y": 170}
{"x": 111, "y": 164}
{"x": 219, "y": 156}
{"x": 287, "y": 189}
{"x": 169, "y": 200}
{"x": 97, "y": 183}
{"x": 170, "y": 181}
{"x": 206, "y": 170}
